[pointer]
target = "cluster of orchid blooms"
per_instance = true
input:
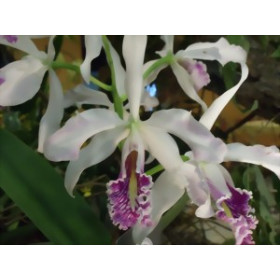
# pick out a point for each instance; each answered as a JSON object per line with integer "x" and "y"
{"x": 134, "y": 201}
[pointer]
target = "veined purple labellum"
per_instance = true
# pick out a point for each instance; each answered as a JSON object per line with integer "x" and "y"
{"x": 129, "y": 196}
{"x": 237, "y": 212}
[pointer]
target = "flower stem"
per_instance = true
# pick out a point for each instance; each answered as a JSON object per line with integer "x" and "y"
{"x": 76, "y": 68}
{"x": 168, "y": 59}
{"x": 65, "y": 65}
{"x": 100, "y": 84}
{"x": 118, "y": 105}
{"x": 159, "y": 167}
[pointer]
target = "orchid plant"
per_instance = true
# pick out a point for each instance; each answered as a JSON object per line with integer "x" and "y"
{"x": 136, "y": 201}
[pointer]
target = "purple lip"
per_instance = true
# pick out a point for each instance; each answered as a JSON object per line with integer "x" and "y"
{"x": 10, "y": 38}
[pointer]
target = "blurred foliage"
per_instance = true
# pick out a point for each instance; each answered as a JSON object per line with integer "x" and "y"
{"x": 19, "y": 226}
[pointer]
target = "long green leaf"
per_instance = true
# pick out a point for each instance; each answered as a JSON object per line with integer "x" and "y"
{"x": 38, "y": 190}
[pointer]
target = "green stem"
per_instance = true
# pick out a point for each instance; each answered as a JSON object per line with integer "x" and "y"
{"x": 154, "y": 170}
{"x": 100, "y": 84}
{"x": 159, "y": 167}
{"x": 65, "y": 65}
{"x": 118, "y": 105}
{"x": 76, "y": 68}
{"x": 168, "y": 59}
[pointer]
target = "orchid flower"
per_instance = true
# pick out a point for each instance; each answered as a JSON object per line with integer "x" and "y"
{"x": 192, "y": 74}
{"x": 205, "y": 181}
{"x": 21, "y": 80}
{"x": 129, "y": 195}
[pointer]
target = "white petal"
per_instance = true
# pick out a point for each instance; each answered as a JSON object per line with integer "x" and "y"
{"x": 168, "y": 47}
{"x": 133, "y": 53}
{"x": 185, "y": 81}
{"x": 181, "y": 123}
{"x": 221, "y": 51}
{"x": 82, "y": 94}
{"x": 218, "y": 185}
{"x": 147, "y": 241}
{"x": 212, "y": 113}
{"x": 134, "y": 143}
{"x": 51, "y": 49}
{"x": 100, "y": 147}
{"x": 21, "y": 42}
{"x": 197, "y": 189}
{"x": 50, "y": 122}
{"x": 20, "y": 80}
{"x": 119, "y": 71}
{"x": 66, "y": 142}
{"x": 161, "y": 145}
{"x": 226, "y": 175}
{"x": 205, "y": 210}
{"x": 165, "y": 193}
{"x": 93, "y": 46}
{"x": 268, "y": 157}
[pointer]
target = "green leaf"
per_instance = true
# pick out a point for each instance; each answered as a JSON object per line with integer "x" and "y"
{"x": 229, "y": 74}
{"x": 30, "y": 181}
{"x": 57, "y": 42}
{"x": 276, "y": 53}
{"x": 229, "y": 70}
{"x": 265, "y": 204}
{"x": 240, "y": 40}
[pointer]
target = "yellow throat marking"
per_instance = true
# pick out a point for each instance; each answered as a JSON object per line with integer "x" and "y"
{"x": 227, "y": 210}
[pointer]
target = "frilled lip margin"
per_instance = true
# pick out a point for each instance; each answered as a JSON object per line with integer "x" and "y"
{"x": 127, "y": 209}
{"x": 236, "y": 211}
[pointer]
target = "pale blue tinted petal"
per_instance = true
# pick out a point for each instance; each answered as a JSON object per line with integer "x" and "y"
{"x": 165, "y": 193}
{"x": 268, "y": 157}
{"x": 181, "y": 123}
{"x": 50, "y": 122}
{"x": 186, "y": 83}
{"x": 82, "y": 94}
{"x": 214, "y": 110}
{"x": 133, "y": 52}
{"x": 161, "y": 146}
{"x": 221, "y": 51}
{"x": 93, "y": 48}
{"x": 20, "y": 81}
{"x": 66, "y": 142}
{"x": 20, "y": 42}
{"x": 101, "y": 146}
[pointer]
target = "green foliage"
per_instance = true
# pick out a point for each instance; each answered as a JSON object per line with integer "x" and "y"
{"x": 276, "y": 53}
{"x": 265, "y": 204}
{"x": 38, "y": 190}
{"x": 241, "y": 40}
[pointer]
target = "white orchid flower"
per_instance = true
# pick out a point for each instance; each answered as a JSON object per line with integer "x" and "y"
{"x": 205, "y": 181}
{"x": 94, "y": 46}
{"x": 129, "y": 195}
{"x": 192, "y": 75}
{"x": 21, "y": 80}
